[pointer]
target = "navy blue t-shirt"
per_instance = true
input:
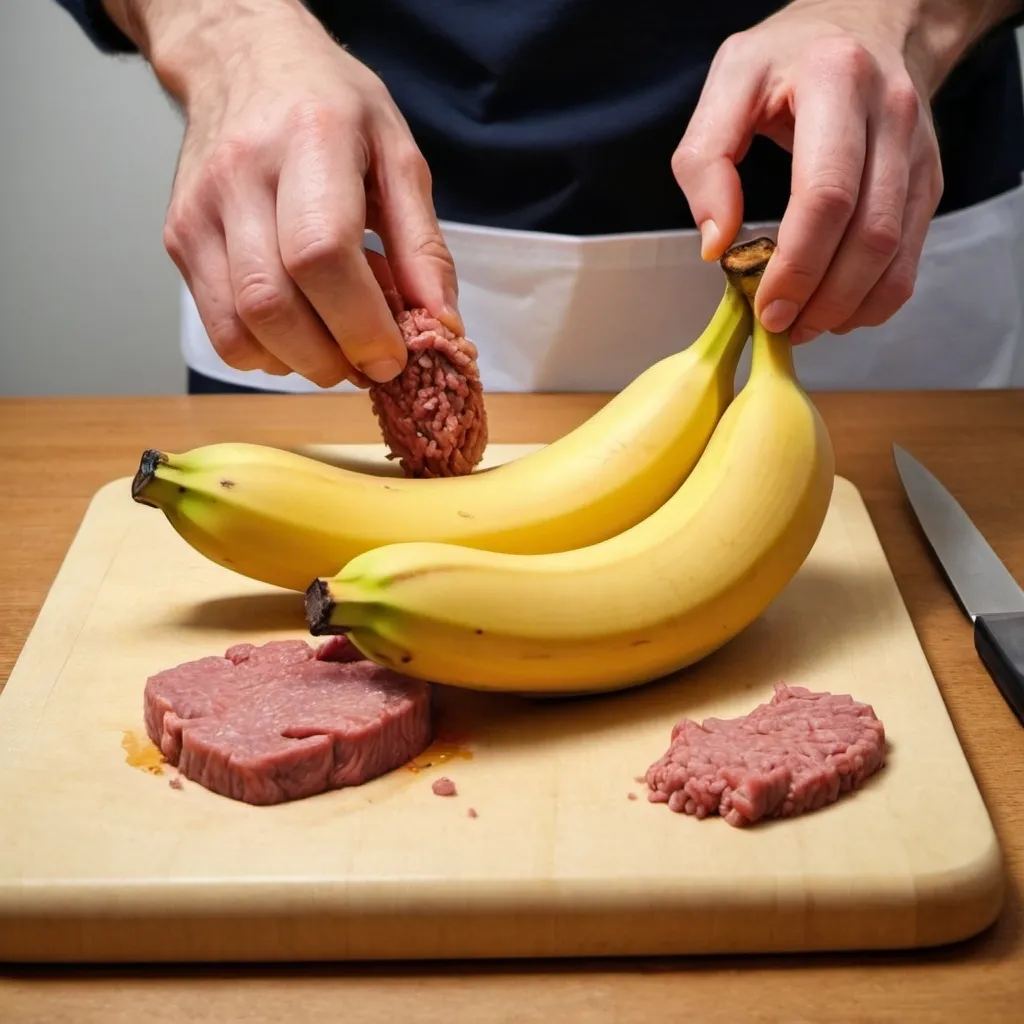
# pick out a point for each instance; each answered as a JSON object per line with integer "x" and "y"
{"x": 562, "y": 115}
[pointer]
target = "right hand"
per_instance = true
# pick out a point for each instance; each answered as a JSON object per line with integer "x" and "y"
{"x": 292, "y": 148}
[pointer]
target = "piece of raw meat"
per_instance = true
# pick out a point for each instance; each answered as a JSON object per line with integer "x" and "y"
{"x": 432, "y": 414}
{"x": 794, "y": 754}
{"x": 284, "y": 721}
{"x": 444, "y": 787}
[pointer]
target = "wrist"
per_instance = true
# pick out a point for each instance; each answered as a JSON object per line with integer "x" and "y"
{"x": 941, "y": 33}
{"x": 189, "y": 41}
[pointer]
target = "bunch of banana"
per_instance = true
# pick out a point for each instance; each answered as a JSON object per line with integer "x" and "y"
{"x": 285, "y": 519}
{"x": 650, "y": 600}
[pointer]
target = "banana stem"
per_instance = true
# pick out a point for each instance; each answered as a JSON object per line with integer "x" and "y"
{"x": 772, "y": 353}
{"x": 729, "y": 324}
{"x": 744, "y": 265}
{"x": 145, "y": 476}
{"x": 319, "y": 607}
{"x": 327, "y": 615}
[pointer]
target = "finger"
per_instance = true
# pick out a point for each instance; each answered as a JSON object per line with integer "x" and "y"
{"x": 876, "y": 229}
{"x": 321, "y": 212}
{"x": 201, "y": 258}
{"x": 896, "y": 285}
{"x": 829, "y": 150}
{"x": 384, "y": 277}
{"x": 419, "y": 259}
{"x": 719, "y": 133}
{"x": 382, "y": 273}
{"x": 266, "y": 298}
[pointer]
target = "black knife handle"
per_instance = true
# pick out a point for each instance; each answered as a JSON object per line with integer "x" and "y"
{"x": 999, "y": 641}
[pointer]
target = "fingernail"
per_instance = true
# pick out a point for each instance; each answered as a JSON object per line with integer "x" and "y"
{"x": 708, "y": 239}
{"x": 802, "y": 335}
{"x": 452, "y": 320}
{"x": 382, "y": 370}
{"x": 778, "y": 315}
{"x": 450, "y": 312}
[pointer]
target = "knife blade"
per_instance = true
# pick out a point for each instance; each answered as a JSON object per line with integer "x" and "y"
{"x": 986, "y": 591}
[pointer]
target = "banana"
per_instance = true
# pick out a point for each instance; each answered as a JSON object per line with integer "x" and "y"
{"x": 651, "y": 600}
{"x": 285, "y": 519}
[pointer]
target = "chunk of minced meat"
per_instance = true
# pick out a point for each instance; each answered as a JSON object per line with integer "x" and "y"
{"x": 284, "y": 721}
{"x": 795, "y": 754}
{"x": 432, "y": 414}
{"x": 444, "y": 787}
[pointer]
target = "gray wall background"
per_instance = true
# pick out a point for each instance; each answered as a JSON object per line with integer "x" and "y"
{"x": 88, "y": 144}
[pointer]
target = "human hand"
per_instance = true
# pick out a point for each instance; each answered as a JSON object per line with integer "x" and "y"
{"x": 845, "y": 87}
{"x": 292, "y": 147}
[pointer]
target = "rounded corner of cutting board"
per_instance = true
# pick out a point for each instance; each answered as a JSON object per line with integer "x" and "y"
{"x": 963, "y": 897}
{"x": 112, "y": 498}
{"x": 120, "y": 483}
{"x": 843, "y": 484}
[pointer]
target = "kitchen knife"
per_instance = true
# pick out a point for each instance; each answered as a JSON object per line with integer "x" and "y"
{"x": 986, "y": 591}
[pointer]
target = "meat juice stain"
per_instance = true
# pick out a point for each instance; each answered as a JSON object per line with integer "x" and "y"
{"x": 440, "y": 752}
{"x": 142, "y": 753}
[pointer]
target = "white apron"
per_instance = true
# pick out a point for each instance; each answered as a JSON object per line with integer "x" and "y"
{"x": 564, "y": 313}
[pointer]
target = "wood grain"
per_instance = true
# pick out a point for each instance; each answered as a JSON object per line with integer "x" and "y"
{"x": 54, "y": 454}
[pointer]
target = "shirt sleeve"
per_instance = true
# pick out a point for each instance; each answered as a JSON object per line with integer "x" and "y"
{"x": 93, "y": 19}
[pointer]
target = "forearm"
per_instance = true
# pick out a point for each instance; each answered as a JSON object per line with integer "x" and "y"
{"x": 184, "y": 40}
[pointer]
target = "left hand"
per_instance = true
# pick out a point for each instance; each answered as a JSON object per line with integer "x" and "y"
{"x": 831, "y": 82}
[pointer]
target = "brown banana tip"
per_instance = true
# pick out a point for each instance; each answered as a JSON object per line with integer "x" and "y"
{"x": 151, "y": 458}
{"x": 319, "y": 608}
{"x": 744, "y": 263}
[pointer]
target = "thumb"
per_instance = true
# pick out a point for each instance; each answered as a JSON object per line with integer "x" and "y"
{"x": 421, "y": 265}
{"x": 716, "y": 139}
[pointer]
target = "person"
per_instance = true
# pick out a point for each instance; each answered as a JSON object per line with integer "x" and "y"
{"x": 556, "y": 179}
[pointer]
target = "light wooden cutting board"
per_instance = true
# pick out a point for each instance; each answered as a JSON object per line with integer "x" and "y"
{"x": 101, "y": 858}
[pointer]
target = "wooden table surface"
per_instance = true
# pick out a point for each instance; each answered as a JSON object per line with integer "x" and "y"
{"x": 54, "y": 453}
